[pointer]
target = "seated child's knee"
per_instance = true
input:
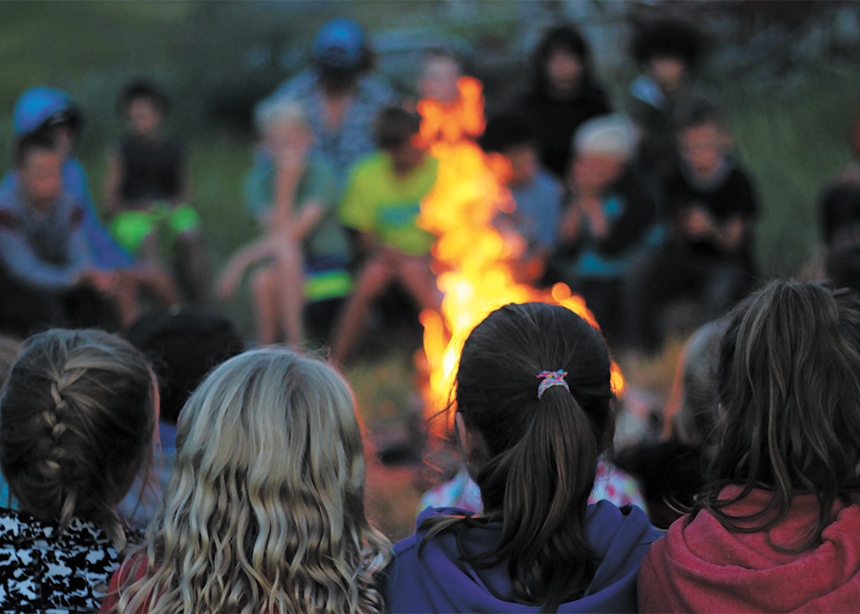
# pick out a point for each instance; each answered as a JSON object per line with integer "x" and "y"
{"x": 263, "y": 282}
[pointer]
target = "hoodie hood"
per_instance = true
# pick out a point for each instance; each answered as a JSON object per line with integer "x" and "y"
{"x": 438, "y": 581}
{"x": 703, "y": 567}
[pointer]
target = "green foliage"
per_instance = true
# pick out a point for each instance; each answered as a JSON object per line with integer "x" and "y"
{"x": 793, "y": 141}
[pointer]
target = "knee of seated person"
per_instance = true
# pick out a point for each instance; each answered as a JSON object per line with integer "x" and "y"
{"x": 288, "y": 253}
{"x": 263, "y": 281}
{"x": 373, "y": 278}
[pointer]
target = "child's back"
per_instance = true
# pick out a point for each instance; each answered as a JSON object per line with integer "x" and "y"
{"x": 530, "y": 438}
{"x": 78, "y": 415}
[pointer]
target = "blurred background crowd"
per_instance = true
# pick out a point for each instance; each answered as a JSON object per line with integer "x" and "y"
{"x": 664, "y": 158}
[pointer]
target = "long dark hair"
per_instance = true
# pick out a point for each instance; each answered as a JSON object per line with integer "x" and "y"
{"x": 562, "y": 38}
{"x": 789, "y": 381}
{"x": 542, "y": 452}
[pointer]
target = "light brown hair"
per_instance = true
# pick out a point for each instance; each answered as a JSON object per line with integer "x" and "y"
{"x": 77, "y": 419}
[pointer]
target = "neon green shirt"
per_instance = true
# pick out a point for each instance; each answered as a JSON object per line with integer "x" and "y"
{"x": 387, "y": 206}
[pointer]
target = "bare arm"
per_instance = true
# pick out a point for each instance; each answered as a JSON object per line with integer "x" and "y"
{"x": 288, "y": 171}
{"x": 307, "y": 219}
{"x": 244, "y": 258}
{"x": 730, "y": 234}
{"x": 113, "y": 200}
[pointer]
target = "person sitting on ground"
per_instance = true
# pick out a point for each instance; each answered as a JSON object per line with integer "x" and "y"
{"x": 533, "y": 212}
{"x": 148, "y": 190}
{"x": 451, "y": 104}
{"x": 441, "y": 72}
{"x": 533, "y": 399}
{"x": 668, "y": 52}
{"x": 672, "y": 470}
{"x": 182, "y": 347}
{"x": 610, "y": 221}
{"x": 53, "y": 114}
{"x": 712, "y": 206}
{"x": 45, "y": 110}
{"x": 265, "y": 511}
{"x": 78, "y": 414}
{"x": 339, "y": 95}
{"x": 46, "y": 272}
{"x": 382, "y": 203}
{"x": 775, "y": 529}
{"x": 294, "y": 198}
{"x": 564, "y": 95}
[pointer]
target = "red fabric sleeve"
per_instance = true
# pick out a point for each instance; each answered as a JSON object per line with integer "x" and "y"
{"x": 137, "y": 564}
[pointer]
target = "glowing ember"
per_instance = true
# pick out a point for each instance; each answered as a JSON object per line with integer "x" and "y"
{"x": 472, "y": 259}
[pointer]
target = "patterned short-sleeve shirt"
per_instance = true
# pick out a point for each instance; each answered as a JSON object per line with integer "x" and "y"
{"x": 46, "y": 569}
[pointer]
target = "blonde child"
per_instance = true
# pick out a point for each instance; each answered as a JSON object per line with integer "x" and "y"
{"x": 304, "y": 250}
{"x": 265, "y": 511}
{"x": 77, "y": 419}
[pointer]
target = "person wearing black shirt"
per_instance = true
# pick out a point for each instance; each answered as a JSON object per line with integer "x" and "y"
{"x": 712, "y": 204}
{"x": 564, "y": 95}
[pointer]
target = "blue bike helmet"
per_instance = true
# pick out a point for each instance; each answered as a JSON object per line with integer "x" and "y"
{"x": 340, "y": 44}
{"x": 41, "y": 107}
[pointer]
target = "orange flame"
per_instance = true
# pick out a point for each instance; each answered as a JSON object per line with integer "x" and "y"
{"x": 473, "y": 261}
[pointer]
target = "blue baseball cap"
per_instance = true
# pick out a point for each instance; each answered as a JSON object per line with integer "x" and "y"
{"x": 42, "y": 106}
{"x": 339, "y": 44}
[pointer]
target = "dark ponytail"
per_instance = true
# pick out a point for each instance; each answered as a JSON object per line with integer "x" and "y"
{"x": 542, "y": 452}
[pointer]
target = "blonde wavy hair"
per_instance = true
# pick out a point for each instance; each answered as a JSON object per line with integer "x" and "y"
{"x": 77, "y": 420}
{"x": 265, "y": 509}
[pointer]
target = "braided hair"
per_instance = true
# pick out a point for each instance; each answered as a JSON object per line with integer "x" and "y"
{"x": 77, "y": 418}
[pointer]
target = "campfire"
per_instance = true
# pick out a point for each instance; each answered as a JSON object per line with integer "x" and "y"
{"x": 472, "y": 260}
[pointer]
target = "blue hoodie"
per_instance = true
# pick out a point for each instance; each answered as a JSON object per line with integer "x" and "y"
{"x": 34, "y": 108}
{"x": 438, "y": 581}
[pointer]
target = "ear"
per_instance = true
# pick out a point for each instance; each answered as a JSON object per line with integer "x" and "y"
{"x": 472, "y": 446}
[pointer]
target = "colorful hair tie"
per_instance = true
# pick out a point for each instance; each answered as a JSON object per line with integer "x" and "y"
{"x": 552, "y": 378}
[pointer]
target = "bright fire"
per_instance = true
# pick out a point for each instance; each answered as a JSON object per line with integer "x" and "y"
{"x": 472, "y": 259}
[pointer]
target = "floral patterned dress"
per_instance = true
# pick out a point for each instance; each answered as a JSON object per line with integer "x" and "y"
{"x": 610, "y": 483}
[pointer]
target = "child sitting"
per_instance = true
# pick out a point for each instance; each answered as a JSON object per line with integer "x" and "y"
{"x": 668, "y": 51}
{"x": 183, "y": 347}
{"x": 382, "y": 202}
{"x": 46, "y": 272}
{"x": 149, "y": 187}
{"x": 265, "y": 511}
{"x": 78, "y": 414}
{"x": 536, "y": 196}
{"x": 451, "y": 104}
{"x": 293, "y": 195}
{"x": 54, "y": 115}
{"x": 777, "y": 527}
{"x": 712, "y": 205}
{"x": 610, "y": 221}
{"x": 533, "y": 399}
{"x": 564, "y": 94}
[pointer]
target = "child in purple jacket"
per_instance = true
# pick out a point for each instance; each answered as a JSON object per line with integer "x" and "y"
{"x": 533, "y": 415}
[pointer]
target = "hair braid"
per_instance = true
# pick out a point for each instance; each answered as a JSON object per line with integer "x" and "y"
{"x": 77, "y": 419}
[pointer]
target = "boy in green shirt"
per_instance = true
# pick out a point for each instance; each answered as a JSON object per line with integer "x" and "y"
{"x": 382, "y": 202}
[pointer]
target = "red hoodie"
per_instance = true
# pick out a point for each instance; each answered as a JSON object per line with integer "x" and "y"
{"x": 705, "y": 568}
